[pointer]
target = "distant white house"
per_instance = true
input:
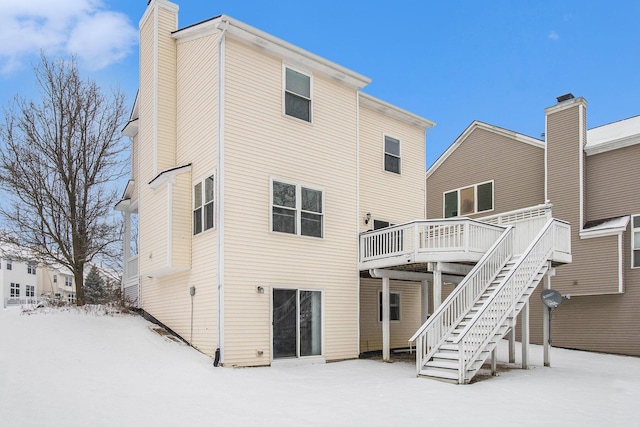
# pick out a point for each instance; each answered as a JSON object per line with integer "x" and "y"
{"x": 18, "y": 279}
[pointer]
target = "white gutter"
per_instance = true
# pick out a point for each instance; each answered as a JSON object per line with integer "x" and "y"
{"x": 220, "y": 232}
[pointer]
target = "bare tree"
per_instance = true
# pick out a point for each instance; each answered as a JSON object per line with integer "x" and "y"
{"x": 58, "y": 156}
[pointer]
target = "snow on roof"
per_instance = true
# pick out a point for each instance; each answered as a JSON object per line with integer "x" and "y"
{"x": 605, "y": 227}
{"x": 613, "y": 135}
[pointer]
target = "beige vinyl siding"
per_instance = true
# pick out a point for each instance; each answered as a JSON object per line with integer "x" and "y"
{"x": 166, "y": 101}
{"x": 516, "y": 168}
{"x": 167, "y": 298}
{"x": 198, "y": 104}
{"x": 371, "y": 327}
{"x": 261, "y": 143}
{"x": 135, "y": 171}
{"x": 388, "y": 196}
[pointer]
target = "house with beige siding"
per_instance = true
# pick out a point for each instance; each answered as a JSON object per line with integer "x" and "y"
{"x": 588, "y": 178}
{"x": 275, "y": 212}
{"x": 254, "y": 164}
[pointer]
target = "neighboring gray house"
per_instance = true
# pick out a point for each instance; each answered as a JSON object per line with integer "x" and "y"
{"x": 590, "y": 177}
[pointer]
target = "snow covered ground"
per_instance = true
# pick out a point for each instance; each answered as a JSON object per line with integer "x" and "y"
{"x": 77, "y": 369}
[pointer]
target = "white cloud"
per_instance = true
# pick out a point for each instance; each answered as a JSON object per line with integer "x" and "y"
{"x": 97, "y": 36}
{"x": 553, "y": 35}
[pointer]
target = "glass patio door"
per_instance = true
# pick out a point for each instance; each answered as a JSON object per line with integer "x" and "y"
{"x": 297, "y": 323}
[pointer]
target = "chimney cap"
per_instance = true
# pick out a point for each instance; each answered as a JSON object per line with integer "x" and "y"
{"x": 565, "y": 97}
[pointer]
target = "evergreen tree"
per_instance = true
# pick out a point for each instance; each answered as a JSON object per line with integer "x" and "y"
{"x": 94, "y": 287}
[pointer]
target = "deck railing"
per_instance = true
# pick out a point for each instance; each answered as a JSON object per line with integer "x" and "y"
{"x": 527, "y": 223}
{"x": 447, "y": 316}
{"x": 483, "y": 327}
{"x": 443, "y": 235}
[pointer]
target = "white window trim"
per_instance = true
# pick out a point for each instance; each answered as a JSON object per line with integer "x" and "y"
{"x": 284, "y": 91}
{"x": 299, "y": 186}
{"x": 201, "y": 181}
{"x": 475, "y": 198}
{"x": 299, "y": 360}
{"x": 384, "y": 154}
{"x": 399, "y": 306}
{"x": 633, "y": 231}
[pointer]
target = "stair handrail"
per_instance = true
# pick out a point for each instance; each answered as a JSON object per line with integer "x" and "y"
{"x": 445, "y": 318}
{"x": 492, "y": 315}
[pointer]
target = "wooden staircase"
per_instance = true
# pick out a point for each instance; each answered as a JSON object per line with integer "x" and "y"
{"x": 457, "y": 339}
{"x": 445, "y": 363}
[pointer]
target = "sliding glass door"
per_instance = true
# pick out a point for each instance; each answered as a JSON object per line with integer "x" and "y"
{"x": 297, "y": 323}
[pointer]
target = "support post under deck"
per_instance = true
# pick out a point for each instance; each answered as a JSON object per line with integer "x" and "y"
{"x": 386, "y": 347}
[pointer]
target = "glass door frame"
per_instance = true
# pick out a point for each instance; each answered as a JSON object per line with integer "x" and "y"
{"x": 297, "y": 357}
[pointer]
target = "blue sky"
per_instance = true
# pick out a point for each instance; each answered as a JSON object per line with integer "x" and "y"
{"x": 500, "y": 61}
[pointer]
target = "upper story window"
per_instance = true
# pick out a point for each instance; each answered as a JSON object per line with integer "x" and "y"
{"x": 67, "y": 280}
{"x": 9, "y": 266}
{"x": 469, "y": 200}
{"x": 55, "y": 278}
{"x": 635, "y": 241}
{"x": 297, "y": 94}
{"x": 203, "y": 205}
{"x": 31, "y": 268}
{"x": 391, "y": 154}
{"x": 296, "y": 209}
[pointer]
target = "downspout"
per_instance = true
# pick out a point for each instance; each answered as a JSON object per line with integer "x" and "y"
{"x": 219, "y": 356}
{"x": 358, "y": 219}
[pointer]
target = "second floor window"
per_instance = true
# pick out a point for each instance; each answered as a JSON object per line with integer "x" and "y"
{"x": 9, "y": 266}
{"x": 203, "y": 205}
{"x": 296, "y": 209}
{"x": 67, "y": 280}
{"x": 391, "y": 154}
{"x": 55, "y": 278}
{"x": 635, "y": 241}
{"x": 469, "y": 200}
{"x": 297, "y": 94}
{"x": 31, "y": 269}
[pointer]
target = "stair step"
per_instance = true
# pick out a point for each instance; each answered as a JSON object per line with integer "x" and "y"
{"x": 443, "y": 364}
{"x": 436, "y": 373}
{"x": 448, "y": 355}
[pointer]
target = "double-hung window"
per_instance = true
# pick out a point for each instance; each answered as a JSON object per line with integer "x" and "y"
{"x": 9, "y": 265}
{"x": 469, "y": 200}
{"x": 31, "y": 268}
{"x": 30, "y": 291}
{"x": 391, "y": 154}
{"x": 68, "y": 281}
{"x": 296, "y": 209}
{"x": 635, "y": 241}
{"x": 203, "y": 205}
{"x": 297, "y": 94}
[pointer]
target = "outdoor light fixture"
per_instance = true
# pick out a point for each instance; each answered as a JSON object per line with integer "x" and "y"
{"x": 260, "y": 289}
{"x": 367, "y": 218}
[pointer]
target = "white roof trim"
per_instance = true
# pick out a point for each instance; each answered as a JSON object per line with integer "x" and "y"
{"x": 397, "y": 113}
{"x": 490, "y": 128}
{"x": 611, "y": 227}
{"x": 167, "y": 176}
{"x": 613, "y": 136}
{"x": 273, "y": 45}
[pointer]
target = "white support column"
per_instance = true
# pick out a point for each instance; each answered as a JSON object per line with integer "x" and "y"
{"x": 545, "y": 324}
{"x": 424, "y": 300}
{"x": 127, "y": 245}
{"x": 494, "y": 361}
{"x": 386, "y": 348}
{"x": 512, "y": 343}
{"x": 525, "y": 335}
{"x": 437, "y": 287}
